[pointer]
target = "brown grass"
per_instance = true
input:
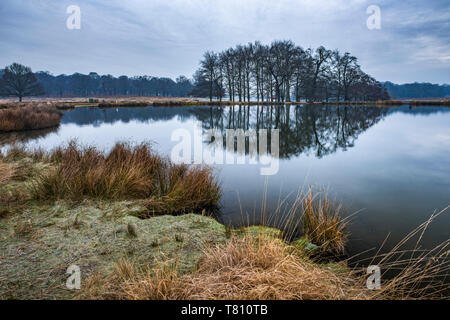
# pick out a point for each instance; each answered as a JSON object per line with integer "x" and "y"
{"x": 128, "y": 173}
{"x": 261, "y": 267}
{"x": 246, "y": 268}
{"x": 28, "y": 118}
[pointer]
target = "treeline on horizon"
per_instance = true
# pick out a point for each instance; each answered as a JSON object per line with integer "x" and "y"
{"x": 283, "y": 71}
{"x": 81, "y": 85}
{"x": 93, "y": 84}
{"x": 417, "y": 90}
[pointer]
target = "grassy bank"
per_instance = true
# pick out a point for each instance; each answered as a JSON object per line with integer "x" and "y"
{"x": 107, "y": 214}
{"x": 126, "y": 172}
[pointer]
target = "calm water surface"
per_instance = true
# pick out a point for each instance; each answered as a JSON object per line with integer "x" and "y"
{"x": 391, "y": 164}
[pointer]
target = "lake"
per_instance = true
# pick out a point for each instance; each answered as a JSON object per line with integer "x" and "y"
{"x": 391, "y": 165}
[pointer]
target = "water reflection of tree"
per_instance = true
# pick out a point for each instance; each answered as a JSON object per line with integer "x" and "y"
{"x": 321, "y": 130}
{"x": 306, "y": 129}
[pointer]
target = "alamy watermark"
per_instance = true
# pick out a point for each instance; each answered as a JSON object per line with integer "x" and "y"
{"x": 73, "y": 282}
{"x": 231, "y": 151}
{"x": 374, "y": 20}
{"x": 373, "y": 282}
{"x": 73, "y": 22}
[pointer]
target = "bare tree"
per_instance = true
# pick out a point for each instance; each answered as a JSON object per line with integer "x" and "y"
{"x": 348, "y": 70}
{"x": 227, "y": 60}
{"x": 209, "y": 70}
{"x": 20, "y": 81}
{"x": 319, "y": 61}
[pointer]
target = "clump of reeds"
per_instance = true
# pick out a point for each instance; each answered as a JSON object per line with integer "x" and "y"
{"x": 28, "y": 118}
{"x": 127, "y": 172}
{"x": 319, "y": 219}
{"x": 323, "y": 223}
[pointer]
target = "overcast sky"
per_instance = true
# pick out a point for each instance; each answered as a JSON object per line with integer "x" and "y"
{"x": 168, "y": 37}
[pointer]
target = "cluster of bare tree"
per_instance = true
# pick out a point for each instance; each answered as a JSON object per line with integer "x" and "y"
{"x": 283, "y": 71}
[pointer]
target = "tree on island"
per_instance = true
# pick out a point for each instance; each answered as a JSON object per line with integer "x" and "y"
{"x": 283, "y": 71}
{"x": 18, "y": 80}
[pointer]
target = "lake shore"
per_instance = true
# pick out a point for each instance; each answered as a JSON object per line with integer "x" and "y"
{"x": 41, "y": 237}
{"x": 43, "y": 113}
{"x": 114, "y": 102}
{"x": 127, "y": 250}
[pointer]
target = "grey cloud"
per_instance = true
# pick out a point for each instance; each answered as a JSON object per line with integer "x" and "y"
{"x": 167, "y": 38}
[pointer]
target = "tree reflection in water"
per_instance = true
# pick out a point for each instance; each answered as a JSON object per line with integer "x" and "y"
{"x": 304, "y": 129}
{"x": 308, "y": 129}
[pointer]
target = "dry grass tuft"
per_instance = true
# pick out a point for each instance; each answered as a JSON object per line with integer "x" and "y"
{"x": 323, "y": 223}
{"x": 319, "y": 219}
{"x": 266, "y": 268}
{"x": 28, "y": 118}
{"x": 252, "y": 267}
{"x": 128, "y": 173}
{"x": 126, "y": 282}
{"x": 261, "y": 267}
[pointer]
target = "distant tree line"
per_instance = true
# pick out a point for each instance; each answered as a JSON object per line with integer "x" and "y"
{"x": 417, "y": 90}
{"x": 18, "y": 80}
{"x": 280, "y": 72}
{"x": 93, "y": 84}
{"x": 283, "y": 71}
